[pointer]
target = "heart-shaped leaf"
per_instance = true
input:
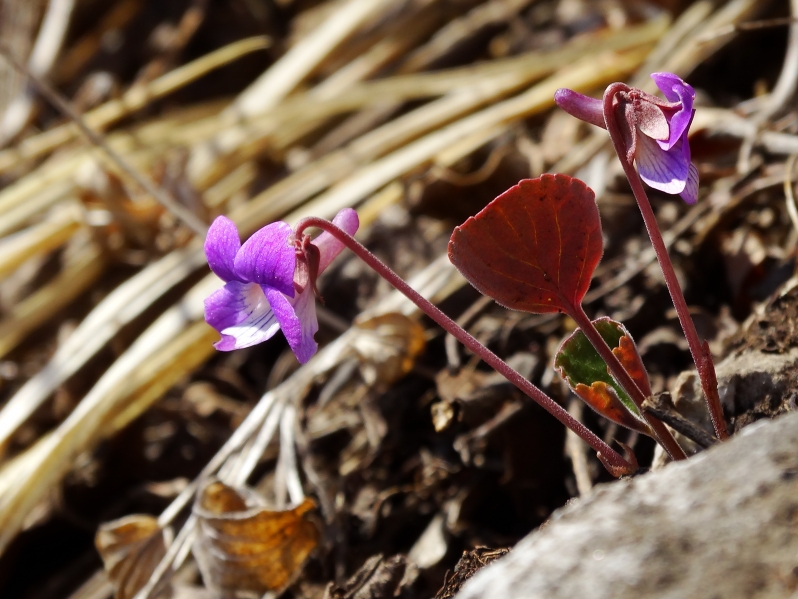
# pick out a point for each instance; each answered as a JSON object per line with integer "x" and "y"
{"x": 533, "y": 248}
{"x": 587, "y": 375}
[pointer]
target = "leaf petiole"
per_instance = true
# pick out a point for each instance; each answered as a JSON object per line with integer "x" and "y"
{"x": 611, "y": 459}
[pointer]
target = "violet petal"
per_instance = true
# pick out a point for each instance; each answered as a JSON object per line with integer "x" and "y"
{"x": 297, "y": 318}
{"x": 267, "y": 258}
{"x": 670, "y": 84}
{"x": 223, "y": 309}
{"x": 690, "y": 193}
{"x": 685, "y": 143}
{"x": 227, "y": 306}
{"x": 590, "y": 110}
{"x": 676, "y": 90}
{"x": 329, "y": 246}
{"x": 221, "y": 245}
{"x": 241, "y": 313}
{"x": 663, "y": 170}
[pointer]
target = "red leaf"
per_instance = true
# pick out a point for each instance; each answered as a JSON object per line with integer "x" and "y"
{"x": 603, "y": 399}
{"x": 627, "y": 355}
{"x": 534, "y": 248}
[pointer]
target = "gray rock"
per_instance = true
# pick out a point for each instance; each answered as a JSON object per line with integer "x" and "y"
{"x": 745, "y": 381}
{"x": 752, "y": 385}
{"x": 723, "y": 524}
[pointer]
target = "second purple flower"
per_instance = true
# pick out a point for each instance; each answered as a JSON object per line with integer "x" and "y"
{"x": 655, "y": 131}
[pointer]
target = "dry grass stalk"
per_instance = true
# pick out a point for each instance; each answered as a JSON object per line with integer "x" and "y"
{"x": 283, "y": 77}
{"x": 48, "y": 43}
{"x": 137, "y": 98}
{"x": 39, "y": 239}
{"x": 77, "y": 275}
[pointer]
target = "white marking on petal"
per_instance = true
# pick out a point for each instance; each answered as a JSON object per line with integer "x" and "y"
{"x": 259, "y": 323}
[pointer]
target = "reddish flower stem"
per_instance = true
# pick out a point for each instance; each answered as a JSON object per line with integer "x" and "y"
{"x": 661, "y": 432}
{"x": 612, "y": 459}
{"x": 700, "y": 351}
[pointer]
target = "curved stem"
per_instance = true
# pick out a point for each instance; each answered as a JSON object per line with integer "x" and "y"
{"x": 609, "y": 456}
{"x": 700, "y": 351}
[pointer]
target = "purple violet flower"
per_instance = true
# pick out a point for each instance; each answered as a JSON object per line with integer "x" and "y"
{"x": 266, "y": 287}
{"x": 655, "y": 131}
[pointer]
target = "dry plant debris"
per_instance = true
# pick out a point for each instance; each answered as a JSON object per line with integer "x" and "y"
{"x": 131, "y": 548}
{"x": 244, "y": 548}
{"x": 417, "y": 113}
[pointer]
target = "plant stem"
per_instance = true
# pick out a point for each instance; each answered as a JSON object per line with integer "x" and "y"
{"x": 702, "y": 357}
{"x": 661, "y": 432}
{"x": 608, "y": 455}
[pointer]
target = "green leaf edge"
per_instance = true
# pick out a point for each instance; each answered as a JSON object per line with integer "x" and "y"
{"x": 576, "y": 348}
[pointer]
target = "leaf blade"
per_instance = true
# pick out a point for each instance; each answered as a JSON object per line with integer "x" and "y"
{"x": 587, "y": 375}
{"x": 534, "y": 248}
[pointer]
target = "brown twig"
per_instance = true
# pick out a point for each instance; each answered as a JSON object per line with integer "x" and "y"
{"x": 659, "y": 406}
{"x": 782, "y": 93}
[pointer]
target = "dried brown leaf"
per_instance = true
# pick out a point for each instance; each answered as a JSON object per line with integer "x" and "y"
{"x": 378, "y": 578}
{"x": 244, "y": 549}
{"x": 468, "y": 565}
{"x": 389, "y": 344}
{"x": 131, "y": 548}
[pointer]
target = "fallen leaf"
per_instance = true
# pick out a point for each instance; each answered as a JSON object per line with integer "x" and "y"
{"x": 586, "y": 373}
{"x": 474, "y": 396}
{"x": 533, "y": 248}
{"x": 388, "y": 345}
{"x": 378, "y": 578}
{"x": 131, "y": 548}
{"x": 469, "y": 564}
{"x": 244, "y": 549}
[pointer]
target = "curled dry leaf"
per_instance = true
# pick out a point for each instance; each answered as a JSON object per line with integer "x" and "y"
{"x": 378, "y": 578}
{"x": 131, "y": 548}
{"x": 587, "y": 375}
{"x": 244, "y": 549}
{"x": 388, "y": 345}
{"x": 469, "y": 564}
{"x": 474, "y": 396}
